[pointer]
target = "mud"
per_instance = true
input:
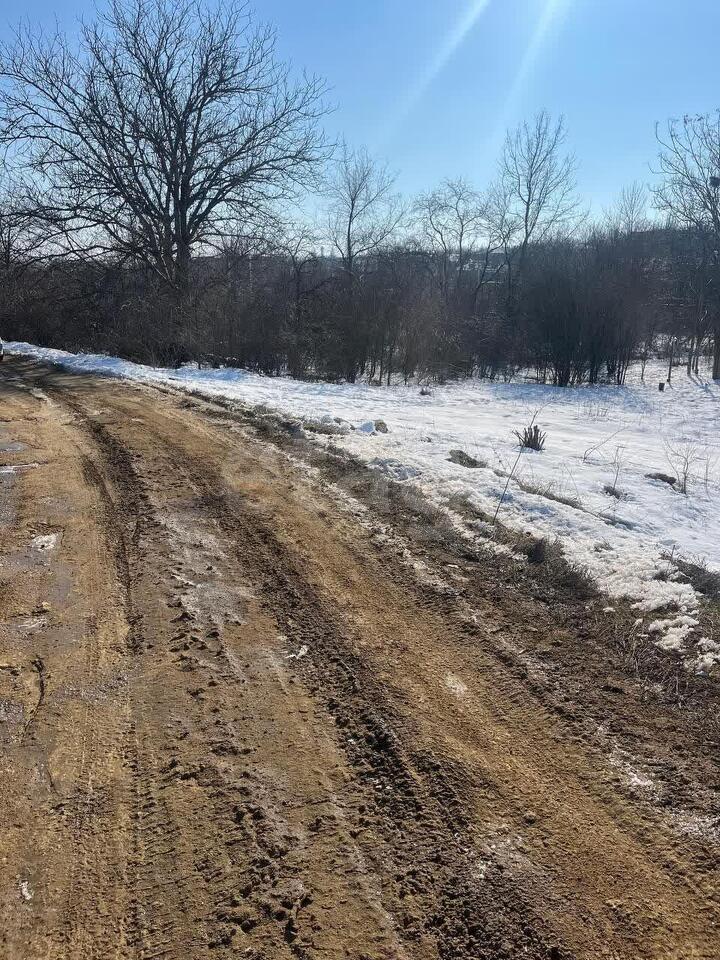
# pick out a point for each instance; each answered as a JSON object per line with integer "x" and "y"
{"x": 233, "y": 721}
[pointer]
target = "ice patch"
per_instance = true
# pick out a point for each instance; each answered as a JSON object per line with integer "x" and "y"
{"x": 17, "y": 467}
{"x": 301, "y": 653}
{"x": 456, "y": 686}
{"x": 45, "y": 542}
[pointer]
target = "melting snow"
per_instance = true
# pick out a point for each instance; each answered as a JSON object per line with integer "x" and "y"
{"x": 45, "y": 542}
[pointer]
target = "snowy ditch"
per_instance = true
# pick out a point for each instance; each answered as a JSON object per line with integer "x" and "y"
{"x": 600, "y": 487}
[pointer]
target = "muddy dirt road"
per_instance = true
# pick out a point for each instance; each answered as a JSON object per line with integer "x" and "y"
{"x": 237, "y": 722}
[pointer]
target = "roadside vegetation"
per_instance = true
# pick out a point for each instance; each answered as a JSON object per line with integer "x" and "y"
{"x": 168, "y": 194}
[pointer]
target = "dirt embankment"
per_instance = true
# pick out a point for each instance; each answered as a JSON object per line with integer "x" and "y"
{"x": 239, "y": 718}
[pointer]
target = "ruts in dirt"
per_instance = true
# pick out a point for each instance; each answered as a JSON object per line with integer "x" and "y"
{"x": 233, "y": 726}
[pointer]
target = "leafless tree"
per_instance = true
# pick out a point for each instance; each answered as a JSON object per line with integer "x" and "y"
{"x": 299, "y": 246}
{"x": 629, "y": 214}
{"x": 460, "y": 229}
{"x": 449, "y": 221}
{"x": 689, "y": 167}
{"x": 689, "y": 192}
{"x": 161, "y": 129}
{"x": 363, "y": 214}
{"x": 364, "y": 210}
{"x": 20, "y": 238}
{"x": 537, "y": 182}
{"x": 24, "y": 243}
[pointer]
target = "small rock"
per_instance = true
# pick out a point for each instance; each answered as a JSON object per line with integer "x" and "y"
{"x": 381, "y": 426}
{"x": 530, "y": 817}
{"x": 463, "y": 459}
{"x": 662, "y": 477}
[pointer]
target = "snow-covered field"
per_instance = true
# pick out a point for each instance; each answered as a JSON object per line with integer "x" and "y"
{"x": 597, "y": 438}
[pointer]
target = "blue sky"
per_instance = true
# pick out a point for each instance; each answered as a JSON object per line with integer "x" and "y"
{"x": 430, "y": 85}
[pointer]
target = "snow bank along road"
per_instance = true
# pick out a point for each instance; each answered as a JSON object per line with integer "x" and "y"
{"x": 597, "y": 486}
{"x": 234, "y": 722}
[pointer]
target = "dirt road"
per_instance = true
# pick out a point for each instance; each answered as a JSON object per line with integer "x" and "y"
{"x": 237, "y": 721}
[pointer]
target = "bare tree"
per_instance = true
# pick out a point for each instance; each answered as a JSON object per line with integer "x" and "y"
{"x": 364, "y": 211}
{"x": 689, "y": 192}
{"x": 449, "y": 220}
{"x": 629, "y": 213}
{"x": 21, "y": 238}
{"x": 160, "y": 130}
{"x": 299, "y": 246}
{"x": 25, "y": 243}
{"x": 460, "y": 231}
{"x": 537, "y": 182}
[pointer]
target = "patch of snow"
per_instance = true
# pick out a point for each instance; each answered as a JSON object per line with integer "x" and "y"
{"x": 394, "y": 468}
{"x": 708, "y": 656}
{"x": 696, "y": 825}
{"x": 45, "y": 542}
{"x": 673, "y": 632}
{"x": 456, "y": 686}
{"x": 635, "y": 778}
{"x": 26, "y": 890}
{"x": 17, "y": 467}
{"x": 301, "y": 653}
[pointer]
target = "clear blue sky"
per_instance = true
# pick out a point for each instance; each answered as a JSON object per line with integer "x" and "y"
{"x": 430, "y": 85}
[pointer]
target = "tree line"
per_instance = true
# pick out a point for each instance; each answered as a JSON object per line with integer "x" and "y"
{"x": 168, "y": 194}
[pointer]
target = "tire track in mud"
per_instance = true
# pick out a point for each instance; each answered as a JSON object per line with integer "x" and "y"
{"x": 226, "y": 854}
{"x": 161, "y": 895}
{"x": 414, "y": 798}
{"x": 237, "y": 829}
{"x": 96, "y": 890}
{"x": 433, "y": 879}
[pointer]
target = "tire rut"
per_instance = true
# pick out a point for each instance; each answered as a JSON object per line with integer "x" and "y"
{"x": 238, "y": 831}
{"x": 438, "y": 886}
{"x": 322, "y": 761}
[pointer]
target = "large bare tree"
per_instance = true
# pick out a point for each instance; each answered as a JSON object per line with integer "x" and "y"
{"x": 166, "y": 125}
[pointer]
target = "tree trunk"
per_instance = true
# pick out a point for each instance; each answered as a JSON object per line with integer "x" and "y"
{"x": 716, "y": 355}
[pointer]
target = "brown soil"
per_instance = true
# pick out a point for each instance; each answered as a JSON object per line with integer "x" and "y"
{"x": 240, "y": 716}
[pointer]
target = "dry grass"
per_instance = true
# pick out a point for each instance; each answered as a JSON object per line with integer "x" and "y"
{"x": 706, "y": 582}
{"x": 549, "y": 492}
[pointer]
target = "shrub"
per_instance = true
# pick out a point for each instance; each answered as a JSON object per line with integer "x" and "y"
{"x": 532, "y": 437}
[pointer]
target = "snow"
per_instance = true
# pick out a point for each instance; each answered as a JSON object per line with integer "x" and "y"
{"x": 45, "y": 542}
{"x": 598, "y": 438}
